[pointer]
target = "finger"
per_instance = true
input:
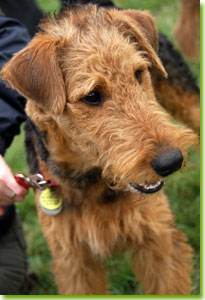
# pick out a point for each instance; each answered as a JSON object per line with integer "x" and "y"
{"x": 19, "y": 198}
{"x": 5, "y": 191}
{"x": 7, "y": 196}
{"x": 5, "y": 200}
{"x": 15, "y": 197}
{"x": 7, "y": 176}
{"x": 17, "y": 188}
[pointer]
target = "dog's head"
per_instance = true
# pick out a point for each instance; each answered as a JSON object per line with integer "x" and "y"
{"x": 86, "y": 77}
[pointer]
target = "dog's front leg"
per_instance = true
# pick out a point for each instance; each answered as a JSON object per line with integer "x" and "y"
{"x": 78, "y": 272}
{"x": 162, "y": 261}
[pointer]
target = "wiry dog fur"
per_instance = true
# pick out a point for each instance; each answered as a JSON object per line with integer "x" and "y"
{"x": 95, "y": 152}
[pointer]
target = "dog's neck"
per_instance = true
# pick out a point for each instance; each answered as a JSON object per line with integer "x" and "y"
{"x": 74, "y": 178}
{"x": 38, "y": 151}
{"x": 77, "y": 185}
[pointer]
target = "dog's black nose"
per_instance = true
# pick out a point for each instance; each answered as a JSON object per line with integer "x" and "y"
{"x": 167, "y": 162}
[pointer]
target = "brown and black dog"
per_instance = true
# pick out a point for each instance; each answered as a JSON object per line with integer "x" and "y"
{"x": 97, "y": 130}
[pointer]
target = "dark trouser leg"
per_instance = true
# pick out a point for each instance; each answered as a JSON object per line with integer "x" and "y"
{"x": 13, "y": 261}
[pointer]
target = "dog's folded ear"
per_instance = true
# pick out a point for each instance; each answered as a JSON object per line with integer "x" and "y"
{"x": 140, "y": 25}
{"x": 35, "y": 73}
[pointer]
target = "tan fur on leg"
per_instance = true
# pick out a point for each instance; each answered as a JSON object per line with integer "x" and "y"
{"x": 163, "y": 260}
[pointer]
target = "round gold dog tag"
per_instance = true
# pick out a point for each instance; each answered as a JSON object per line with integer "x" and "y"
{"x": 50, "y": 203}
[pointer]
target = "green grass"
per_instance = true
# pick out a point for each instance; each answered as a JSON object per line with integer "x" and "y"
{"x": 182, "y": 187}
{"x": 49, "y": 6}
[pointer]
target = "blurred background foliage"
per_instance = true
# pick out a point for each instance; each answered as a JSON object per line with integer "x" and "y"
{"x": 182, "y": 187}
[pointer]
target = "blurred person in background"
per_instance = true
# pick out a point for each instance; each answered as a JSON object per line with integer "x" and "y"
{"x": 26, "y": 11}
{"x": 13, "y": 258}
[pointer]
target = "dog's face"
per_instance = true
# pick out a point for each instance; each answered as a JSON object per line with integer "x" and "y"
{"x": 88, "y": 85}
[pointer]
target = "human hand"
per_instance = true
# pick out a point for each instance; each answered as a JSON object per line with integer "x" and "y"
{"x": 10, "y": 190}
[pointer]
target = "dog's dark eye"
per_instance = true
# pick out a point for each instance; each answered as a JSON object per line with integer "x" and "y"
{"x": 95, "y": 98}
{"x": 138, "y": 75}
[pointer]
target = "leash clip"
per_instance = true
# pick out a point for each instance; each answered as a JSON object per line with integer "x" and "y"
{"x": 35, "y": 180}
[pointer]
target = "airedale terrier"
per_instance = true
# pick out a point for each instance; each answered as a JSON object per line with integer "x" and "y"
{"x": 97, "y": 130}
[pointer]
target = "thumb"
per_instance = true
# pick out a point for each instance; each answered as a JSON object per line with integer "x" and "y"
{"x": 15, "y": 187}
